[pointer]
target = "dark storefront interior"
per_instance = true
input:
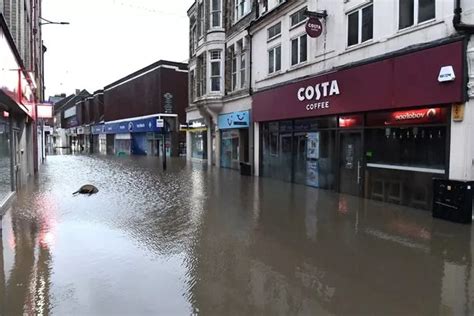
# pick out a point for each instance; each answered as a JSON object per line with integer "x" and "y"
{"x": 388, "y": 156}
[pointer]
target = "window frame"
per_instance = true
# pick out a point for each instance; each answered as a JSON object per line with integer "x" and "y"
{"x": 298, "y": 39}
{"x": 299, "y": 22}
{"x": 211, "y": 76}
{"x": 271, "y": 28}
{"x": 214, "y": 10}
{"x": 360, "y": 16}
{"x": 233, "y": 69}
{"x": 245, "y": 4}
{"x": 416, "y": 13}
{"x": 274, "y": 49}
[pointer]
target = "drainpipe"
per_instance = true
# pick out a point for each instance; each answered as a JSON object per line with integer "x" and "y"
{"x": 458, "y": 24}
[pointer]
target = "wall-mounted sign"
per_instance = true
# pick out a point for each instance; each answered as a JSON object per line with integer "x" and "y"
{"x": 45, "y": 110}
{"x": 314, "y": 28}
{"x": 234, "y": 120}
{"x": 458, "y": 112}
{"x": 446, "y": 74}
{"x": 133, "y": 126}
{"x": 98, "y": 129}
{"x": 160, "y": 123}
{"x": 407, "y": 117}
{"x": 168, "y": 103}
{"x": 380, "y": 85}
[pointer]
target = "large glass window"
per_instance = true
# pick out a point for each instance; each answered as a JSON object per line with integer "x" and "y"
{"x": 412, "y": 12}
{"x": 5, "y": 175}
{"x": 241, "y": 8}
{"x": 199, "y": 145}
{"x": 230, "y": 149}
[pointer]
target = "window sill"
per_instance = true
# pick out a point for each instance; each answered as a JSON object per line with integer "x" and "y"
{"x": 298, "y": 66}
{"x": 274, "y": 74}
{"x": 273, "y": 38}
{"x": 358, "y": 46}
{"x": 416, "y": 27}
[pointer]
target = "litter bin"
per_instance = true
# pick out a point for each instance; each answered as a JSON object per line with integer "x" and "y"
{"x": 452, "y": 200}
{"x": 245, "y": 169}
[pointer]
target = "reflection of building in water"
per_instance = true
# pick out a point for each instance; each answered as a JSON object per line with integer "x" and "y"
{"x": 24, "y": 286}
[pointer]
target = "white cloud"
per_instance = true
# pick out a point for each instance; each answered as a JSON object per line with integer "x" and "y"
{"x": 108, "y": 39}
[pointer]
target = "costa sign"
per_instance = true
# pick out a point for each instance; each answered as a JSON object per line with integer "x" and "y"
{"x": 318, "y": 92}
{"x": 314, "y": 28}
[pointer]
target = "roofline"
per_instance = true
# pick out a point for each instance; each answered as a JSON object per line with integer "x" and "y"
{"x": 191, "y": 7}
{"x": 138, "y": 73}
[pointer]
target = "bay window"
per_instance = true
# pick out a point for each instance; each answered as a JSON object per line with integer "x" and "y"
{"x": 215, "y": 59}
{"x": 216, "y": 13}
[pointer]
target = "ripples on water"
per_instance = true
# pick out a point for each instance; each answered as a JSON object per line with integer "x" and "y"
{"x": 192, "y": 240}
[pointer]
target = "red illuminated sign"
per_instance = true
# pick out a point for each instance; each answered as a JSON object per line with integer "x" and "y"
{"x": 350, "y": 121}
{"x": 421, "y": 116}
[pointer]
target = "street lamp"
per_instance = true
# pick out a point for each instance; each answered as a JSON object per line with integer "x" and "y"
{"x": 46, "y": 22}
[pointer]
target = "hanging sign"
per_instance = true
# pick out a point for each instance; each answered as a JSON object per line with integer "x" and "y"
{"x": 314, "y": 28}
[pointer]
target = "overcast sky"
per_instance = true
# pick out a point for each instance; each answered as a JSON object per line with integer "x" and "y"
{"x": 109, "y": 39}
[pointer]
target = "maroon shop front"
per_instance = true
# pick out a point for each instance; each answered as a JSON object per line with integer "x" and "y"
{"x": 379, "y": 130}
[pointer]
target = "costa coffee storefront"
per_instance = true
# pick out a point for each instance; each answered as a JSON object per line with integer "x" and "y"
{"x": 379, "y": 130}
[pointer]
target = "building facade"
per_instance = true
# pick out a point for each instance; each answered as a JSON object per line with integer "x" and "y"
{"x": 144, "y": 110}
{"x": 375, "y": 103}
{"x": 219, "y": 114}
{"x": 372, "y": 106}
{"x": 18, "y": 155}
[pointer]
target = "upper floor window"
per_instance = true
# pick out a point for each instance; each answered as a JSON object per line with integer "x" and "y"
{"x": 242, "y": 63}
{"x": 299, "y": 50}
{"x": 238, "y": 65}
{"x": 233, "y": 66}
{"x": 274, "y": 31}
{"x": 412, "y": 12}
{"x": 201, "y": 75}
{"x": 241, "y": 8}
{"x": 216, "y": 13}
{"x": 360, "y": 26}
{"x": 274, "y": 59}
{"x": 298, "y": 17}
{"x": 200, "y": 20}
{"x": 215, "y": 57}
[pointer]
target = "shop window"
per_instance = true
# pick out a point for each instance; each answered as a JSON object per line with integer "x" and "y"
{"x": 216, "y": 13}
{"x": 274, "y": 59}
{"x": 299, "y": 50}
{"x": 418, "y": 146}
{"x": 215, "y": 57}
{"x": 298, "y": 17}
{"x": 274, "y": 31}
{"x": 413, "y": 12}
{"x": 360, "y": 26}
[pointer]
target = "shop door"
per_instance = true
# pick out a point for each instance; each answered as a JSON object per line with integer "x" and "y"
{"x": 350, "y": 163}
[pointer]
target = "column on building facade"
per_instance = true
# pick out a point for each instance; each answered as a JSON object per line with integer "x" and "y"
{"x": 462, "y": 144}
{"x": 256, "y": 152}
{"x": 188, "y": 146}
{"x": 209, "y": 141}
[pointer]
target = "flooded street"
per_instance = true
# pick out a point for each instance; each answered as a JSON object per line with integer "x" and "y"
{"x": 211, "y": 242}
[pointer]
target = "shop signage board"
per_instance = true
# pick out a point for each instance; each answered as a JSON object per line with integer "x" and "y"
{"x": 381, "y": 85}
{"x": 234, "y": 120}
{"x": 98, "y": 129}
{"x": 133, "y": 126}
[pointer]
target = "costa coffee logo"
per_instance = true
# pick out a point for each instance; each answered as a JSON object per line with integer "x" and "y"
{"x": 317, "y": 92}
{"x": 314, "y": 28}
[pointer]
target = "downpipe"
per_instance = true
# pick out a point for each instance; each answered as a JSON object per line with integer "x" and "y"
{"x": 457, "y": 22}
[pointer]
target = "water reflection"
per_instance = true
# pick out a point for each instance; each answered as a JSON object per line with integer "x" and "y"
{"x": 207, "y": 241}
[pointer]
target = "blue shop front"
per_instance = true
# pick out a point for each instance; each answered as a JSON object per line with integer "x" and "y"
{"x": 234, "y": 129}
{"x": 134, "y": 136}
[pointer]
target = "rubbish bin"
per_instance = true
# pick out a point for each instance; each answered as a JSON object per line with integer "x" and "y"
{"x": 245, "y": 169}
{"x": 452, "y": 200}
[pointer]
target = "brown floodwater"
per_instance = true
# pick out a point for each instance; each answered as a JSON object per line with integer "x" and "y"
{"x": 212, "y": 242}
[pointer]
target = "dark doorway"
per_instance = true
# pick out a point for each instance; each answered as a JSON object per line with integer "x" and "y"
{"x": 351, "y": 163}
